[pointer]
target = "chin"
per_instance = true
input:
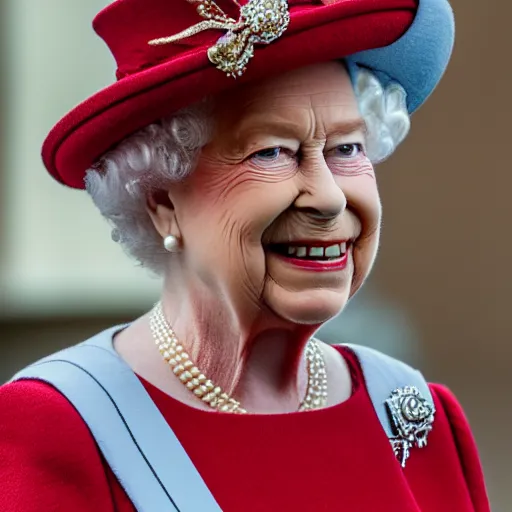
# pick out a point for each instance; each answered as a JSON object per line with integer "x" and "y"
{"x": 312, "y": 307}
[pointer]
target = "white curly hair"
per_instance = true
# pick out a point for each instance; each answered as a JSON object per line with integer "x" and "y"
{"x": 167, "y": 151}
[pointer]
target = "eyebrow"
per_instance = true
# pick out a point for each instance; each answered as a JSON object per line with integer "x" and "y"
{"x": 287, "y": 129}
{"x": 349, "y": 126}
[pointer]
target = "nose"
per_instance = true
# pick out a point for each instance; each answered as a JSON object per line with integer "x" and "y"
{"x": 320, "y": 196}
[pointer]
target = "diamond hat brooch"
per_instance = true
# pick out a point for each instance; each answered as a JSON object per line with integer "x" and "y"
{"x": 260, "y": 22}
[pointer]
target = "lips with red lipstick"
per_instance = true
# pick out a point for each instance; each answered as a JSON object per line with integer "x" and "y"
{"x": 318, "y": 256}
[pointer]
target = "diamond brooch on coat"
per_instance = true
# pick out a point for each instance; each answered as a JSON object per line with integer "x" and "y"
{"x": 260, "y": 22}
{"x": 412, "y": 419}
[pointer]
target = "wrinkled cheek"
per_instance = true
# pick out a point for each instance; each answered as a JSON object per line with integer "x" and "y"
{"x": 368, "y": 210}
{"x": 244, "y": 274}
{"x": 254, "y": 267}
{"x": 364, "y": 253}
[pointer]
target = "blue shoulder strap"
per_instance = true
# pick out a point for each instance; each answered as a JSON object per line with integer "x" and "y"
{"x": 143, "y": 452}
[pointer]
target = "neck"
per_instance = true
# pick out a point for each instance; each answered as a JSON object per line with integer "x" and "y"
{"x": 254, "y": 356}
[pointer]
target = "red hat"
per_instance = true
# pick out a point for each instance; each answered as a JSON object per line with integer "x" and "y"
{"x": 172, "y": 53}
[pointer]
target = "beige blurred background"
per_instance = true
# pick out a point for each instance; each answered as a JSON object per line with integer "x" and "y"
{"x": 441, "y": 291}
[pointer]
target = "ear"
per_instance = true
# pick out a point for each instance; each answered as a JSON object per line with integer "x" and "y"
{"x": 161, "y": 211}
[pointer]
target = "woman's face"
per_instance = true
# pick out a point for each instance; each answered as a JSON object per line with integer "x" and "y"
{"x": 282, "y": 211}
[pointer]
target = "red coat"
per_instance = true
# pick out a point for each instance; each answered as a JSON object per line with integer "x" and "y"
{"x": 332, "y": 459}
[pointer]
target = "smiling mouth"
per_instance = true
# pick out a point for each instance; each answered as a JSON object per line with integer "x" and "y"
{"x": 312, "y": 251}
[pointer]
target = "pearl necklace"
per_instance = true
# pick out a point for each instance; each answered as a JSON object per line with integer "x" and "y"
{"x": 188, "y": 373}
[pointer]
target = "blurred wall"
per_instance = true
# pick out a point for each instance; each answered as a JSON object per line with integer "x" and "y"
{"x": 56, "y": 254}
{"x": 443, "y": 262}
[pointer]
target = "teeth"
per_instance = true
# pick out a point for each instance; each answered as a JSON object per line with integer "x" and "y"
{"x": 332, "y": 251}
{"x": 301, "y": 251}
{"x": 316, "y": 251}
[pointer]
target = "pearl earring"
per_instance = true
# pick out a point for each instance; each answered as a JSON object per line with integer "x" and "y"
{"x": 171, "y": 243}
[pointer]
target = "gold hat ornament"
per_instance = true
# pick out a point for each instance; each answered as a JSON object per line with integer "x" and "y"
{"x": 260, "y": 22}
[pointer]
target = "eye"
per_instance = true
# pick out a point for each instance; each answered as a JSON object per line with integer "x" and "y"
{"x": 349, "y": 150}
{"x": 267, "y": 154}
{"x": 277, "y": 160}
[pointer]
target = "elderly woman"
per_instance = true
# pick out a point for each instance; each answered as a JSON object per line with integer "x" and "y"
{"x": 241, "y": 169}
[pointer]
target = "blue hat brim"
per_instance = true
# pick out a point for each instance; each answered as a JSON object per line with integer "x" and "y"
{"x": 418, "y": 60}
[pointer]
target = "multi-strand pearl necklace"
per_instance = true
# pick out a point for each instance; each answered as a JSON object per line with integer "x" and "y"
{"x": 202, "y": 387}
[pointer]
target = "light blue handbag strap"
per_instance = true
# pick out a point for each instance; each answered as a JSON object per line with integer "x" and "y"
{"x": 384, "y": 374}
{"x": 138, "y": 444}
